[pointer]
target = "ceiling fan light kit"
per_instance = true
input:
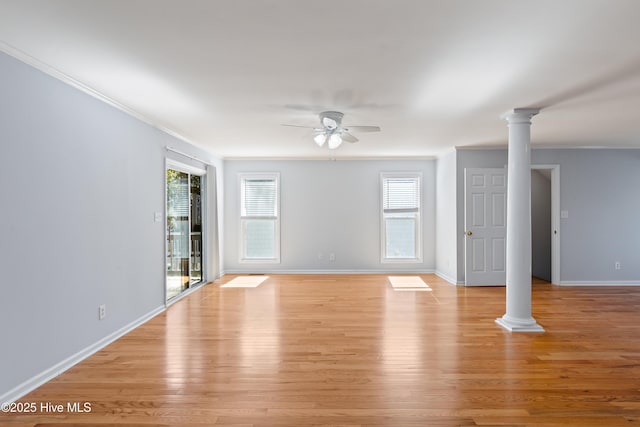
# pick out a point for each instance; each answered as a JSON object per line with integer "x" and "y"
{"x": 334, "y": 141}
{"x": 332, "y": 132}
{"x": 320, "y": 139}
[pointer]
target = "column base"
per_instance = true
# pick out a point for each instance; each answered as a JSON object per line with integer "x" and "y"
{"x": 513, "y": 325}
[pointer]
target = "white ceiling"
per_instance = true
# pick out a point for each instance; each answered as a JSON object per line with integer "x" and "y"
{"x": 434, "y": 74}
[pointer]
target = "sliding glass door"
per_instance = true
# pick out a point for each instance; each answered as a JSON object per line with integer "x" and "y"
{"x": 184, "y": 231}
{"x": 195, "y": 234}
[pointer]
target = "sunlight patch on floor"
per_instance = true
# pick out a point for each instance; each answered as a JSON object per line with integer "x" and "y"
{"x": 245, "y": 282}
{"x": 408, "y": 283}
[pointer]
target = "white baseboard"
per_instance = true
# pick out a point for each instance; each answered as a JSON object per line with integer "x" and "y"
{"x": 259, "y": 271}
{"x": 600, "y": 283}
{"x": 449, "y": 279}
{"x": 47, "y": 375}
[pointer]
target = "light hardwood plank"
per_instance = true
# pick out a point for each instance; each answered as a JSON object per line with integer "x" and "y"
{"x": 347, "y": 350}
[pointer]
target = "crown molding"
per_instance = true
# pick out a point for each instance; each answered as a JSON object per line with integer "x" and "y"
{"x": 330, "y": 159}
{"x": 546, "y": 147}
{"x": 50, "y": 70}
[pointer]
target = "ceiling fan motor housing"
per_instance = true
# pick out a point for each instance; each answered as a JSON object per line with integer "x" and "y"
{"x": 333, "y": 119}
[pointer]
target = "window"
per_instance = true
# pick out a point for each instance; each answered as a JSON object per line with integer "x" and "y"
{"x": 259, "y": 217}
{"x": 401, "y": 217}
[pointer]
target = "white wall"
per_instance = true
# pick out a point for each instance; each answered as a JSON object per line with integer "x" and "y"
{"x": 446, "y": 255}
{"x": 540, "y": 225}
{"x": 599, "y": 190}
{"x": 329, "y": 206}
{"x": 80, "y": 183}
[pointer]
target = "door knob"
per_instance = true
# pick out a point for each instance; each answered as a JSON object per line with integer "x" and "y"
{"x": 469, "y": 233}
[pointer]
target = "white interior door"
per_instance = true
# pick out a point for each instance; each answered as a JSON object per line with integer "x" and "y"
{"x": 485, "y": 221}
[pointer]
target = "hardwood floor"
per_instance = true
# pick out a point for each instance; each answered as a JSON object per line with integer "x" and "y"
{"x": 350, "y": 351}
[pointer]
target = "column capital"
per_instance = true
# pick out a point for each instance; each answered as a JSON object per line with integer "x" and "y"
{"x": 520, "y": 115}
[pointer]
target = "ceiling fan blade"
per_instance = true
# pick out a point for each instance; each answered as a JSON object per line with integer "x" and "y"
{"x": 364, "y": 128}
{"x": 346, "y": 136}
{"x": 298, "y": 126}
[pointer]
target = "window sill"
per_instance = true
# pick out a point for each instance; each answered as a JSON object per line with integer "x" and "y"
{"x": 259, "y": 261}
{"x": 401, "y": 261}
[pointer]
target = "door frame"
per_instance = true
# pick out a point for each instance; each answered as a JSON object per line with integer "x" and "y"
{"x": 190, "y": 170}
{"x": 555, "y": 219}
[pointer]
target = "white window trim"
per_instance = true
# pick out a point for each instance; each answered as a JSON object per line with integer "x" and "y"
{"x": 241, "y": 255}
{"x": 383, "y": 235}
{"x": 183, "y": 167}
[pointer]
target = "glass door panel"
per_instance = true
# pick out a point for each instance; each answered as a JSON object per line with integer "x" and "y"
{"x": 177, "y": 232}
{"x": 196, "y": 229}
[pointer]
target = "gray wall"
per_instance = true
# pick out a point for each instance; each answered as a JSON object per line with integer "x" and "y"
{"x": 599, "y": 189}
{"x": 446, "y": 255}
{"x": 80, "y": 183}
{"x": 540, "y": 225}
{"x": 329, "y": 206}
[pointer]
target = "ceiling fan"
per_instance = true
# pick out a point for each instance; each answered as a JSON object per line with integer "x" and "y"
{"x": 332, "y": 132}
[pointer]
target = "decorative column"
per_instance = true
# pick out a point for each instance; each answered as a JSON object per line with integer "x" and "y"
{"x": 518, "y": 317}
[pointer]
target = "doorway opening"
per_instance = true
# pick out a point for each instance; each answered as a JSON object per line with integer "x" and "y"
{"x": 545, "y": 221}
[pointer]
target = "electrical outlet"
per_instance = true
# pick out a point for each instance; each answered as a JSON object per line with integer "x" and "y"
{"x": 320, "y": 255}
{"x": 102, "y": 312}
{"x": 332, "y": 256}
{"x": 617, "y": 265}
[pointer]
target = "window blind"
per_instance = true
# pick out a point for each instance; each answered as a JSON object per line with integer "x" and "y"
{"x": 401, "y": 194}
{"x": 259, "y": 198}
